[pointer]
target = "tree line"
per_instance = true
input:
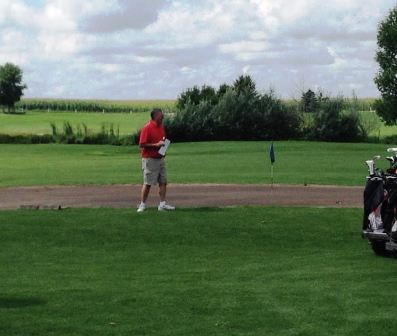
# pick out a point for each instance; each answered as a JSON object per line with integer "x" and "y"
{"x": 240, "y": 112}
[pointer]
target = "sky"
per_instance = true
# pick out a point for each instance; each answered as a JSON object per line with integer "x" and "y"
{"x": 155, "y": 49}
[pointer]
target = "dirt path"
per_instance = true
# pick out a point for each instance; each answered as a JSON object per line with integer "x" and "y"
{"x": 180, "y": 195}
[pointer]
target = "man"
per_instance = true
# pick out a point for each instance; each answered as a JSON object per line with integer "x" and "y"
{"x": 153, "y": 164}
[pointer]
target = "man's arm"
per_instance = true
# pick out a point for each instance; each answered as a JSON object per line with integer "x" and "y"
{"x": 156, "y": 145}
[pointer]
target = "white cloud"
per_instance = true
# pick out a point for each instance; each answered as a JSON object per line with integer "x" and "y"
{"x": 186, "y": 24}
{"x": 114, "y": 48}
{"x": 246, "y": 46}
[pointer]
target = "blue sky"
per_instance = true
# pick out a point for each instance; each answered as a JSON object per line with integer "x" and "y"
{"x": 35, "y": 3}
{"x": 140, "y": 49}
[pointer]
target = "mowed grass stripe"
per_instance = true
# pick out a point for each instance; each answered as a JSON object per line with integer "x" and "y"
{"x": 236, "y": 271}
{"x": 205, "y": 162}
{"x": 40, "y": 123}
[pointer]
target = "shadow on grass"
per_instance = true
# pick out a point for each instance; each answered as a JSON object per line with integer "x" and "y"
{"x": 15, "y": 302}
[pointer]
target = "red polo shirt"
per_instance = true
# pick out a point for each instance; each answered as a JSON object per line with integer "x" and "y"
{"x": 151, "y": 133}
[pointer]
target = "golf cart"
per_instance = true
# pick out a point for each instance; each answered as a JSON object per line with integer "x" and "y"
{"x": 380, "y": 206}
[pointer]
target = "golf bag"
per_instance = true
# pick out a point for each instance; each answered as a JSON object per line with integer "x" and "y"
{"x": 380, "y": 206}
{"x": 374, "y": 195}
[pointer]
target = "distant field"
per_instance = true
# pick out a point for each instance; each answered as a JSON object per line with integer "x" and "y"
{"x": 206, "y": 162}
{"x": 363, "y": 104}
{"x": 39, "y": 122}
{"x": 236, "y": 271}
{"x": 89, "y": 105}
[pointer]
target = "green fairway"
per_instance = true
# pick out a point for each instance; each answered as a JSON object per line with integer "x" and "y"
{"x": 240, "y": 271}
{"x": 206, "y": 162}
{"x": 39, "y": 122}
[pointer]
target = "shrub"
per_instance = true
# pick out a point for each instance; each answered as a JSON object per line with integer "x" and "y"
{"x": 26, "y": 139}
{"x": 235, "y": 112}
{"x": 308, "y": 101}
{"x": 195, "y": 95}
{"x": 336, "y": 120}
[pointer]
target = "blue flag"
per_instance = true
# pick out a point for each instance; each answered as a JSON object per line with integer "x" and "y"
{"x": 271, "y": 153}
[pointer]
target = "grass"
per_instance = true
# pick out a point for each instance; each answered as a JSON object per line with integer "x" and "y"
{"x": 381, "y": 130}
{"x": 39, "y": 122}
{"x": 235, "y": 271}
{"x": 206, "y": 162}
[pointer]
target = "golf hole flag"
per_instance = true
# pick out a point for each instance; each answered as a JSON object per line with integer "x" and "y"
{"x": 272, "y": 160}
{"x": 271, "y": 154}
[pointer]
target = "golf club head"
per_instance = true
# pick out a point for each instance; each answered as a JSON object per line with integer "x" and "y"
{"x": 392, "y": 150}
{"x": 371, "y": 166}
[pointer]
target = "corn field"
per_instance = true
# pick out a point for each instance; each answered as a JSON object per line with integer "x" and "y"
{"x": 98, "y": 106}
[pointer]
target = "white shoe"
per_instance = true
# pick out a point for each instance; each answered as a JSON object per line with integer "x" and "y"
{"x": 165, "y": 207}
{"x": 141, "y": 207}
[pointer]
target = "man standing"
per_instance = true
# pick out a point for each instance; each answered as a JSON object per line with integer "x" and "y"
{"x": 153, "y": 164}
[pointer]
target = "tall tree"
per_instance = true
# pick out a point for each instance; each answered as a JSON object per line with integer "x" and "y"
{"x": 245, "y": 84}
{"x": 386, "y": 79}
{"x": 309, "y": 101}
{"x": 11, "y": 86}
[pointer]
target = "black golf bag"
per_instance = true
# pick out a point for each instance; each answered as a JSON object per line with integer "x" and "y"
{"x": 374, "y": 195}
{"x": 380, "y": 207}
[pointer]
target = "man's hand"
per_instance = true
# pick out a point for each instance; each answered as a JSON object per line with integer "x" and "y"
{"x": 160, "y": 143}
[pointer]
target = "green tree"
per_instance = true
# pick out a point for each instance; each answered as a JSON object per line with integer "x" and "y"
{"x": 386, "y": 79}
{"x": 222, "y": 90}
{"x": 245, "y": 84}
{"x": 190, "y": 96}
{"x": 336, "y": 119}
{"x": 239, "y": 112}
{"x": 195, "y": 95}
{"x": 308, "y": 101}
{"x": 208, "y": 93}
{"x": 11, "y": 86}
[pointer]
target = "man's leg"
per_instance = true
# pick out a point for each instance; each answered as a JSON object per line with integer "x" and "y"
{"x": 145, "y": 193}
{"x": 147, "y": 182}
{"x": 162, "y": 191}
{"x": 163, "y": 188}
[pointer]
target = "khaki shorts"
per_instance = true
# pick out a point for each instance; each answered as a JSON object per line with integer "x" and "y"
{"x": 154, "y": 171}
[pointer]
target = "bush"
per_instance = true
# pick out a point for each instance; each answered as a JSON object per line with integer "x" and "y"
{"x": 308, "y": 101}
{"x": 195, "y": 96}
{"x": 26, "y": 139}
{"x": 235, "y": 112}
{"x": 336, "y": 120}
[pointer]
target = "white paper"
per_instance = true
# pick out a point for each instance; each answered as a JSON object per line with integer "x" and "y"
{"x": 164, "y": 148}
